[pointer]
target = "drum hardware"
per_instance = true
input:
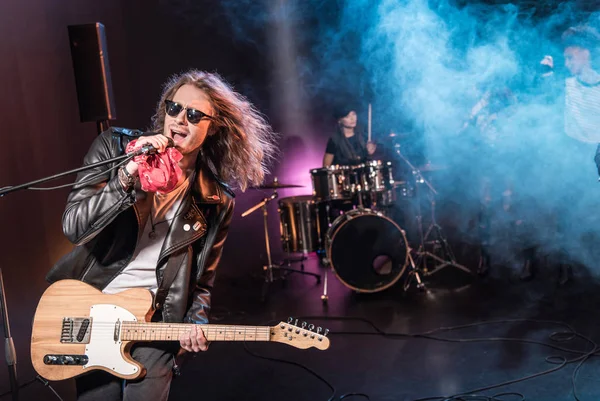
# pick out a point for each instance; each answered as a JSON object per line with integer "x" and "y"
{"x": 368, "y": 252}
{"x": 373, "y": 184}
{"x": 439, "y": 241}
{"x": 298, "y": 223}
{"x": 288, "y": 261}
{"x": 321, "y": 232}
{"x": 268, "y": 269}
{"x": 325, "y": 297}
{"x": 413, "y": 275}
{"x": 332, "y": 183}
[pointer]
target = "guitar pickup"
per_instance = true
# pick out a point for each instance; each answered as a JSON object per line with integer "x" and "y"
{"x": 66, "y": 359}
{"x": 76, "y": 330}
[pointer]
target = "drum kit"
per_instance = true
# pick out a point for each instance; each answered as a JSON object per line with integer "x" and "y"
{"x": 346, "y": 221}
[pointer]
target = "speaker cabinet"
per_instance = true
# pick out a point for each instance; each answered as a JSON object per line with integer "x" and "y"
{"x": 92, "y": 72}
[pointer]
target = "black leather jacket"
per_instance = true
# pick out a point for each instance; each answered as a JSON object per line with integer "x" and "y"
{"x": 104, "y": 222}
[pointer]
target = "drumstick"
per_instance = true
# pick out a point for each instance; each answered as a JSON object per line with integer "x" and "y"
{"x": 369, "y": 124}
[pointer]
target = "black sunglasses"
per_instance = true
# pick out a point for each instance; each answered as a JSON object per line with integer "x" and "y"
{"x": 193, "y": 116}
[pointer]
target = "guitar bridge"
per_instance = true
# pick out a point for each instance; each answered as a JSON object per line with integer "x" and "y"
{"x": 76, "y": 330}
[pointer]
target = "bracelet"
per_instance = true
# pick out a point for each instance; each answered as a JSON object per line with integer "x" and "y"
{"x": 127, "y": 180}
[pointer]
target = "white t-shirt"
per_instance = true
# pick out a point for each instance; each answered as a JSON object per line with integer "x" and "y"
{"x": 582, "y": 110}
{"x": 141, "y": 270}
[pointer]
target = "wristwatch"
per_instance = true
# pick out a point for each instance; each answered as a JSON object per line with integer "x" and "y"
{"x": 126, "y": 179}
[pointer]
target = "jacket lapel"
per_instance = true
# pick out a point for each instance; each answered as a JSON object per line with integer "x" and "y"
{"x": 190, "y": 223}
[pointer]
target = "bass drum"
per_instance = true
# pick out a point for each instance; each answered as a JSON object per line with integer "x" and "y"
{"x": 367, "y": 251}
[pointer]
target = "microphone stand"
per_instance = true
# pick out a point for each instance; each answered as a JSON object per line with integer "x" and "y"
{"x": 7, "y": 190}
{"x": 9, "y": 347}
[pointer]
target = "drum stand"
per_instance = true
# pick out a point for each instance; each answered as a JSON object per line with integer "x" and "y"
{"x": 268, "y": 269}
{"x": 413, "y": 274}
{"x": 439, "y": 240}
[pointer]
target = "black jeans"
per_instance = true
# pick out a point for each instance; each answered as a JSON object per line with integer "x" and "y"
{"x": 157, "y": 358}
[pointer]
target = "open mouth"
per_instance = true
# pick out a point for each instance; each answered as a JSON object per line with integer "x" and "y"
{"x": 178, "y": 136}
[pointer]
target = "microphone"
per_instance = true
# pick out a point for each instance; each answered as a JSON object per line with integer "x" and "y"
{"x": 148, "y": 149}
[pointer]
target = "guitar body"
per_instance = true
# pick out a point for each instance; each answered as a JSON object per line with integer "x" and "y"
{"x": 74, "y": 331}
{"x": 78, "y": 329}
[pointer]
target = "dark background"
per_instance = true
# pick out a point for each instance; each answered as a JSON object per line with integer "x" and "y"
{"x": 147, "y": 41}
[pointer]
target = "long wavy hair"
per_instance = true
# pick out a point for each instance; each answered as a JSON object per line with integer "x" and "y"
{"x": 240, "y": 144}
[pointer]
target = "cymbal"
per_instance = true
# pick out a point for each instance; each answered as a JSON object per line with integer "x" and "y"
{"x": 431, "y": 167}
{"x": 277, "y": 185}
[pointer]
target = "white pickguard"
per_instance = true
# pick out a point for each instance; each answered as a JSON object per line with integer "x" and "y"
{"x": 103, "y": 350}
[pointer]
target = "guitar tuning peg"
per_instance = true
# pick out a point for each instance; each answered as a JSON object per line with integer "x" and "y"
{"x": 311, "y": 327}
{"x": 303, "y": 325}
{"x": 319, "y": 330}
{"x": 290, "y": 320}
{"x": 296, "y": 322}
{"x": 326, "y": 332}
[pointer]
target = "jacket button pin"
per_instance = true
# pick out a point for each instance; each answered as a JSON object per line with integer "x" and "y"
{"x": 197, "y": 226}
{"x": 157, "y": 306}
{"x": 186, "y": 227}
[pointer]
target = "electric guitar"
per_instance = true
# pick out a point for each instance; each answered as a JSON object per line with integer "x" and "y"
{"x": 77, "y": 329}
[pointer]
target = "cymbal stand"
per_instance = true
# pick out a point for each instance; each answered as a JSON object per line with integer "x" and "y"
{"x": 268, "y": 269}
{"x": 439, "y": 241}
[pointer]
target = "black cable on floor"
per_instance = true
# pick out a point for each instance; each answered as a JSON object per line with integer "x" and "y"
{"x": 348, "y": 395}
{"x": 556, "y": 336}
{"x": 309, "y": 370}
{"x": 476, "y": 397}
{"x": 37, "y": 378}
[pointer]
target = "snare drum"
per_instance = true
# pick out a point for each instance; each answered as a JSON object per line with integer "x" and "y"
{"x": 375, "y": 175}
{"x": 298, "y": 224}
{"x": 367, "y": 251}
{"x": 331, "y": 183}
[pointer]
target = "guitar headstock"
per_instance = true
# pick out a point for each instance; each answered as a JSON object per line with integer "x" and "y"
{"x": 300, "y": 336}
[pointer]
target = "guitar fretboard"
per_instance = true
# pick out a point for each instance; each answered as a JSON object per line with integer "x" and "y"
{"x": 134, "y": 331}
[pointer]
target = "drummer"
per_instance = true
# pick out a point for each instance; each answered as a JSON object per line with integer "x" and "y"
{"x": 347, "y": 146}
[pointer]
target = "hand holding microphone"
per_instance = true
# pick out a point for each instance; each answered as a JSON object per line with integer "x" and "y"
{"x": 149, "y": 145}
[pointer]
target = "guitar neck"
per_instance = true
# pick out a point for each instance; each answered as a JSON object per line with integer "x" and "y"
{"x": 143, "y": 331}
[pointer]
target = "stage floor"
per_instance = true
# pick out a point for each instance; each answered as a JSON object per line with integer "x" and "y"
{"x": 402, "y": 366}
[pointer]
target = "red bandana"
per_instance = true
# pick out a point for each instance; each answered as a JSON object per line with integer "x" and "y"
{"x": 159, "y": 172}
